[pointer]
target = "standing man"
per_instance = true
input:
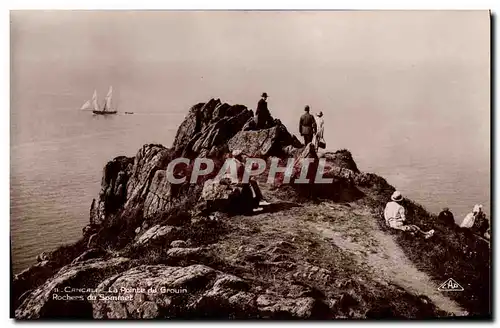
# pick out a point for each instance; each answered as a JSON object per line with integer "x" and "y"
{"x": 307, "y": 126}
{"x": 262, "y": 114}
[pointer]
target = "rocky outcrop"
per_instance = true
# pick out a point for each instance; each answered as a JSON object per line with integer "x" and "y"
{"x": 225, "y": 195}
{"x": 195, "y": 291}
{"x": 148, "y": 163}
{"x": 208, "y": 126}
{"x": 265, "y": 142}
{"x": 65, "y": 294}
{"x": 342, "y": 158}
{"x": 153, "y": 249}
{"x": 173, "y": 292}
{"x": 156, "y": 232}
{"x": 113, "y": 189}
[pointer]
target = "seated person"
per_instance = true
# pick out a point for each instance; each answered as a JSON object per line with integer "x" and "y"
{"x": 446, "y": 217}
{"x": 252, "y": 183}
{"x": 394, "y": 215}
{"x": 476, "y": 221}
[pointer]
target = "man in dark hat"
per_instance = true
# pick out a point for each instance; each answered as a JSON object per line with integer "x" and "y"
{"x": 307, "y": 126}
{"x": 263, "y": 117}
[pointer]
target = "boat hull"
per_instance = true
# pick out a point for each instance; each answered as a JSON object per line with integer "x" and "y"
{"x": 101, "y": 112}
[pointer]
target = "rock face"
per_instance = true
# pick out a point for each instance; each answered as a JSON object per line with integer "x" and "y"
{"x": 208, "y": 126}
{"x": 225, "y": 195}
{"x": 138, "y": 187}
{"x": 180, "y": 292}
{"x": 342, "y": 158}
{"x": 195, "y": 291}
{"x": 156, "y": 232}
{"x": 58, "y": 297}
{"x": 264, "y": 143}
{"x": 113, "y": 189}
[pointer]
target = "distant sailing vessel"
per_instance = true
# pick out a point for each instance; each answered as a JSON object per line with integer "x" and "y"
{"x": 93, "y": 104}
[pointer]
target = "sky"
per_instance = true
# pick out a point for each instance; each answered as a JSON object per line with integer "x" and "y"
{"x": 364, "y": 69}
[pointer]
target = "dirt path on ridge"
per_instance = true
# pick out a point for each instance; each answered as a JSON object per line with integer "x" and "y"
{"x": 379, "y": 252}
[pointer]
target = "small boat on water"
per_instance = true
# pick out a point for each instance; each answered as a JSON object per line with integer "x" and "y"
{"x": 93, "y": 104}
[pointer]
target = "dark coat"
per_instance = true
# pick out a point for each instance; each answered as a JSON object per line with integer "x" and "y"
{"x": 262, "y": 114}
{"x": 446, "y": 217}
{"x": 307, "y": 124}
{"x": 481, "y": 224}
{"x": 262, "y": 108}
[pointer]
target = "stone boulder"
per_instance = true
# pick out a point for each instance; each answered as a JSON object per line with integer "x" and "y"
{"x": 65, "y": 294}
{"x": 341, "y": 158}
{"x": 265, "y": 142}
{"x": 91, "y": 253}
{"x": 226, "y": 196}
{"x": 179, "y": 244}
{"x": 271, "y": 306}
{"x": 160, "y": 291}
{"x": 156, "y": 232}
{"x": 209, "y": 126}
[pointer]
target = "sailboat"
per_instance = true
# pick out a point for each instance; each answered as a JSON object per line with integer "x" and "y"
{"x": 94, "y": 105}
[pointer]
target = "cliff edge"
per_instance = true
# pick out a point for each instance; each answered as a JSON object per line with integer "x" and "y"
{"x": 155, "y": 249}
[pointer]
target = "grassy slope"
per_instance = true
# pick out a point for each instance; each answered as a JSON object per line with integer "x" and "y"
{"x": 451, "y": 253}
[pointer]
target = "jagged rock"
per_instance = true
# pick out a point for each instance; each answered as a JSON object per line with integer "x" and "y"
{"x": 196, "y": 119}
{"x": 93, "y": 240}
{"x": 263, "y": 143}
{"x": 89, "y": 229}
{"x": 42, "y": 302}
{"x": 178, "y": 244}
{"x": 156, "y": 232}
{"x": 187, "y": 255}
{"x": 341, "y": 158}
{"x": 43, "y": 256}
{"x": 182, "y": 292}
{"x": 159, "y": 195}
{"x": 250, "y": 125}
{"x": 208, "y": 126}
{"x": 28, "y": 279}
{"x": 225, "y": 195}
{"x": 113, "y": 189}
{"x": 217, "y": 133}
{"x": 309, "y": 152}
{"x": 286, "y": 308}
{"x": 149, "y": 159}
{"x": 89, "y": 254}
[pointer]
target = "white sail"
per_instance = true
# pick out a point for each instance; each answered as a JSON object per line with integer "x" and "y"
{"x": 94, "y": 101}
{"x": 109, "y": 96}
{"x": 87, "y": 105}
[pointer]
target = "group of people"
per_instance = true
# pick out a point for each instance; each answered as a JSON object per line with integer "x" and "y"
{"x": 311, "y": 128}
{"x": 394, "y": 215}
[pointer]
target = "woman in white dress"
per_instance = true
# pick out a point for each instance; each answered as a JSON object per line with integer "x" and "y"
{"x": 320, "y": 124}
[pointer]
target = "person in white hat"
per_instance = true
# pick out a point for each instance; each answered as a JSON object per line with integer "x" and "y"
{"x": 395, "y": 218}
